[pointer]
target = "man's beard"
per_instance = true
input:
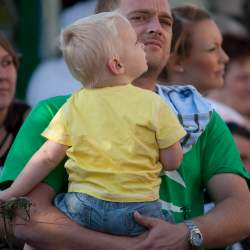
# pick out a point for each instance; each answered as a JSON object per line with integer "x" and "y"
{"x": 154, "y": 69}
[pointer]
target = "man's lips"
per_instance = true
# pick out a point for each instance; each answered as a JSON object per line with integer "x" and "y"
{"x": 153, "y": 43}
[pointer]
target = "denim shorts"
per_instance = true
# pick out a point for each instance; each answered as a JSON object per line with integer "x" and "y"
{"x": 105, "y": 216}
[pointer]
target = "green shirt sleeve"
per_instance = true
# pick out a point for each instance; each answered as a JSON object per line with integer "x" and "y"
{"x": 214, "y": 153}
{"x": 29, "y": 140}
{"x": 220, "y": 153}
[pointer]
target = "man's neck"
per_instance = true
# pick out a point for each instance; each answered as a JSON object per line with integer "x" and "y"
{"x": 145, "y": 82}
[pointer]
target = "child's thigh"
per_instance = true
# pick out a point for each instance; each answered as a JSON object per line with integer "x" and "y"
{"x": 120, "y": 220}
{"x": 75, "y": 207}
{"x": 105, "y": 216}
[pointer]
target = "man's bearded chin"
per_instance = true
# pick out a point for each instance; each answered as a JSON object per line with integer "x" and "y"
{"x": 155, "y": 68}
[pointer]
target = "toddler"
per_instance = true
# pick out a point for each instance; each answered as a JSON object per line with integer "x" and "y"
{"x": 117, "y": 137}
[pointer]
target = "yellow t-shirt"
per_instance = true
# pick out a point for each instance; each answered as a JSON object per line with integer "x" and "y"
{"x": 114, "y": 134}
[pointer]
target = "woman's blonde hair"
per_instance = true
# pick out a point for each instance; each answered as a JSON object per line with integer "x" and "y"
{"x": 185, "y": 18}
{"x": 88, "y": 44}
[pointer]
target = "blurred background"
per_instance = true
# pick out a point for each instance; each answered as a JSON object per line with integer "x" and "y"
{"x": 33, "y": 27}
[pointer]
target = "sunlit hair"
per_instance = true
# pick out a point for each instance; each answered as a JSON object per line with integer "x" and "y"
{"x": 89, "y": 43}
{"x": 185, "y": 18}
{"x": 107, "y": 5}
{"x": 6, "y": 45}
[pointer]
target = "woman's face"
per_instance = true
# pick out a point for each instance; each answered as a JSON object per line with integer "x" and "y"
{"x": 237, "y": 86}
{"x": 8, "y": 77}
{"x": 205, "y": 64}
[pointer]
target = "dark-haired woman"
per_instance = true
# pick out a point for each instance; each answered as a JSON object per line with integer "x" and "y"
{"x": 12, "y": 111}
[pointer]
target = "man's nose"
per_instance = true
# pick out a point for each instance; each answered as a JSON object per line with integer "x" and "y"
{"x": 154, "y": 26}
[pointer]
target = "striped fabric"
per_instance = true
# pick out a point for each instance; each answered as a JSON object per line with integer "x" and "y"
{"x": 192, "y": 109}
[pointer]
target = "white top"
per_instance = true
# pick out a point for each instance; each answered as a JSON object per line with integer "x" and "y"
{"x": 227, "y": 113}
{"x": 52, "y": 77}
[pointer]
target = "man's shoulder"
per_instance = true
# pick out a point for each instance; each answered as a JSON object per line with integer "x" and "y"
{"x": 56, "y": 101}
{"x": 216, "y": 124}
{"x": 47, "y": 108}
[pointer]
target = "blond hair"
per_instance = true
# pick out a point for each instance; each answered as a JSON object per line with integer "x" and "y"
{"x": 185, "y": 18}
{"x": 88, "y": 44}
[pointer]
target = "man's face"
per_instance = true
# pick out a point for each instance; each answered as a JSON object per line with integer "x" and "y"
{"x": 152, "y": 22}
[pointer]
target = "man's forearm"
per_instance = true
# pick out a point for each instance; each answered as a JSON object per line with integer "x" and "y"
{"x": 222, "y": 226}
{"x": 50, "y": 229}
{"x": 228, "y": 221}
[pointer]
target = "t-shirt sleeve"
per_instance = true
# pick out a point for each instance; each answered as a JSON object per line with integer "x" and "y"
{"x": 29, "y": 140}
{"x": 220, "y": 153}
{"x": 168, "y": 128}
{"x": 58, "y": 128}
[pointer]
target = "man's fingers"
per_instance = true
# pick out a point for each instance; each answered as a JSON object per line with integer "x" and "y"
{"x": 139, "y": 246}
{"x": 145, "y": 221}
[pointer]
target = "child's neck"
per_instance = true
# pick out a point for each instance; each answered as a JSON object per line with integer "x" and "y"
{"x": 116, "y": 81}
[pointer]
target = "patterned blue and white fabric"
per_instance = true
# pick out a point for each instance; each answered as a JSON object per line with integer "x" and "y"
{"x": 192, "y": 109}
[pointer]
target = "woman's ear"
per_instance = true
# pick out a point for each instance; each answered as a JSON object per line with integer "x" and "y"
{"x": 175, "y": 64}
{"x": 115, "y": 66}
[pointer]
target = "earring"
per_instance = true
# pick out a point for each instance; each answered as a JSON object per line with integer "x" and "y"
{"x": 179, "y": 69}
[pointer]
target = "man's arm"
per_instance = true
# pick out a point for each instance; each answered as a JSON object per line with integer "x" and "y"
{"x": 227, "y": 223}
{"x": 221, "y": 172}
{"x": 50, "y": 229}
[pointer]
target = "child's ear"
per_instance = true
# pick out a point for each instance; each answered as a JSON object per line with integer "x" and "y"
{"x": 115, "y": 66}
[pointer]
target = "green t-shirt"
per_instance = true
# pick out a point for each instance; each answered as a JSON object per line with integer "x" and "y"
{"x": 29, "y": 140}
{"x": 215, "y": 152}
{"x": 181, "y": 191}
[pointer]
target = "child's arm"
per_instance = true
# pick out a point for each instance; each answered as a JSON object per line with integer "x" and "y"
{"x": 171, "y": 157}
{"x": 39, "y": 166}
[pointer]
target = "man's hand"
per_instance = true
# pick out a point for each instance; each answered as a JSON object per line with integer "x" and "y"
{"x": 161, "y": 235}
{"x": 5, "y": 195}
